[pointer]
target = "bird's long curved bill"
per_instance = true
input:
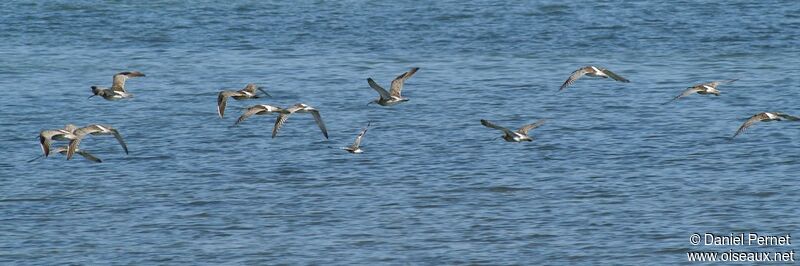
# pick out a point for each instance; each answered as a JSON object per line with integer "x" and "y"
{"x": 34, "y": 159}
{"x": 91, "y": 96}
{"x": 265, "y": 92}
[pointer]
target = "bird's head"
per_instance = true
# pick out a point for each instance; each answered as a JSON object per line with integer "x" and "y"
{"x": 95, "y": 91}
{"x": 251, "y": 87}
{"x": 70, "y": 127}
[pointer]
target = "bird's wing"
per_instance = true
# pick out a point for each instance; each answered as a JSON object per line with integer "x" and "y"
{"x": 686, "y": 92}
{"x": 614, "y": 75}
{"x": 524, "y": 129}
{"x": 89, "y": 156}
{"x": 397, "y": 83}
{"x": 44, "y": 140}
{"x": 788, "y": 117}
{"x": 573, "y": 77}
{"x": 118, "y": 84}
{"x": 121, "y": 141}
{"x": 716, "y": 83}
{"x": 321, "y": 124}
{"x": 486, "y": 123}
{"x": 80, "y": 133}
{"x": 73, "y": 146}
{"x": 752, "y": 120}
{"x": 357, "y": 142}
{"x": 222, "y": 101}
{"x": 727, "y": 80}
{"x": 250, "y": 112}
{"x": 384, "y": 94}
{"x": 279, "y": 123}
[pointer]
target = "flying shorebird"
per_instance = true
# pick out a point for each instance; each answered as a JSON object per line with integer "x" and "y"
{"x": 764, "y": 117}
{"x": 46, "y": 136}
{"x": 298, "y": 108}
{"x": 63, "y": 150}
{"x": 591, "y": 71}
{"x": 95, "y": 129}
{"x": 117, "y": 90}
{"x": 703, "y": 89}
{"x": 356, "y": 147}
{"x": 393, "y": 96}
{"x": 249, "y": 92}
{"x": 515, "y": 136}
{"x": 261, "y": 109}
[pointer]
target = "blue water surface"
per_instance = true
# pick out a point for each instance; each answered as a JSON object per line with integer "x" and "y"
{"x": 613, "y": 177}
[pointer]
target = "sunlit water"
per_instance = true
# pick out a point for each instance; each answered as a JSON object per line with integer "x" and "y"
{"x": 613, "y": 177}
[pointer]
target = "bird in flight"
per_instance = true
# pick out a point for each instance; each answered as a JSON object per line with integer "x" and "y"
{"x": 514, "y": 136}
{"x": 117, "y": 90}
{"x": 591, "y": 71}
{"x": 249, "y": 92}
{"x": 95, "y": 129}
{"x": 261, "y": 109}
{"x": 702, "y": 89}
{"x": 764, "y": 117}
{"x": 356, "y": 147}
{"x": 63, "y": 150}
{"x": 391, "y": 97}
{"x": 46, "y": 136}
{"x": 298, "y": 108}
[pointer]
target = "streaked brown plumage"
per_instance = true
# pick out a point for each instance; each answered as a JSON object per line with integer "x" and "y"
{"x": 393, "y": 96}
